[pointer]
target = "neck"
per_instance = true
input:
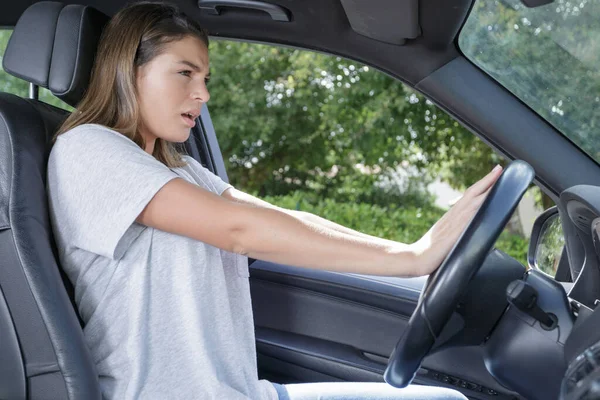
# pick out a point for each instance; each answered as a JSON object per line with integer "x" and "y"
{"x": 149, "y": 140}
{"x": 150, "y": 146}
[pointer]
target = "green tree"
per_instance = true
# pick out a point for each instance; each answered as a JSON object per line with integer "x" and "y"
{"x": 307, "y": 119}
{"x": 547, "y": 56}
{"x": 9, "y": 83}
{"x": 291, "y": 119}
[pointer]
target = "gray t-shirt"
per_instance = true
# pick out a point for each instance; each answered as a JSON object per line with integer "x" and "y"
{"x": 166, "y": 316}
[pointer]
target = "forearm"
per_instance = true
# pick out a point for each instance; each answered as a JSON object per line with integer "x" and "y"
{"x": 272, "y": 235}
{"x": 306, "y": 216}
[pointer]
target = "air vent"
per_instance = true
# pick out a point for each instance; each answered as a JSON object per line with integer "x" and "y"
{"x": 581, "y": 216}
{"x": 583, "y": 222}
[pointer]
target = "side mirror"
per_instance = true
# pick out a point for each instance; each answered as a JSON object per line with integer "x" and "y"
{"x": 547, "y": 242}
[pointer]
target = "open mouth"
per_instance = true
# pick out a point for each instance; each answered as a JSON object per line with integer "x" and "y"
{"x": 189, "y": 119}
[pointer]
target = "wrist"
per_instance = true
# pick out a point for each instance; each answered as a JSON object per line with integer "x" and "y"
{"x": 406, "y": 259}
{"x": 429, "y": 257}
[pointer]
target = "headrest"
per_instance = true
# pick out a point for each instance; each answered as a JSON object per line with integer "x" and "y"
{"x": 53, "y": 45}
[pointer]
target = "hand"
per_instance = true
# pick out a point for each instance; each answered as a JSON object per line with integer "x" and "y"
{"x": 435, "y": 245}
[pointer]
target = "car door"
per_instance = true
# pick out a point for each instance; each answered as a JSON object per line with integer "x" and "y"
{"x": 317, "y": 326}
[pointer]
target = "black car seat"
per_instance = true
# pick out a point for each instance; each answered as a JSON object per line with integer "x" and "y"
{"x": 42, "y": 350}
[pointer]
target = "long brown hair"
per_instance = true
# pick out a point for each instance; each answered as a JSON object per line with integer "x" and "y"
{"x": 133, "y": 37}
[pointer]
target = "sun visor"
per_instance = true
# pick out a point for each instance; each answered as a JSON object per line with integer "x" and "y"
{"x": 389, "y": 21}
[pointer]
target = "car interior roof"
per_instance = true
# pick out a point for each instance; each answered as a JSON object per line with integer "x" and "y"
{"x": 324, "y": 26}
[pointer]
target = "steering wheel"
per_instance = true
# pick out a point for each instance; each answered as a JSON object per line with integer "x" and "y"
{"x": 448, "y": 283}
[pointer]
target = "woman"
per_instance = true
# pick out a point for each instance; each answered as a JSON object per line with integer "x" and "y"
{"x": 156, "y": 245}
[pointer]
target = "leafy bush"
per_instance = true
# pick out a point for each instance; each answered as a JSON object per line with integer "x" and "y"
{"x": 405, "y": 224}
{"x": 515, "y": 246}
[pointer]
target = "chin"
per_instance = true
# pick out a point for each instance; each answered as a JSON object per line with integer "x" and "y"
{"x": 185, "y": 136}
{"x": 178, "y": 137}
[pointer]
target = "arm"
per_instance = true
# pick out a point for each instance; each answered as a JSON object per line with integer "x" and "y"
{"x": 263, "y": 231}
{"x": 239, "y": 196}
{"x": 340, "y": 228}
{"x": 269, "y": 233}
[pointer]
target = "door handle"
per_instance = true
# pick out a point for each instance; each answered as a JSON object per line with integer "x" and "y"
{"x": 276, "y": 12}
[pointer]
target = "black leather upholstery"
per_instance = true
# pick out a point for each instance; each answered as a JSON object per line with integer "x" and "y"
{"x": 42, "y": 351}
{"x": 30, "y": 51}
{"x": 53, "y": 45}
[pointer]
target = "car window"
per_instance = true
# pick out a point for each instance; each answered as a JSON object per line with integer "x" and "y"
{"x": 548, "y": 56}
{"x": 339, "y": 139}
{"x": 19, "y": 87}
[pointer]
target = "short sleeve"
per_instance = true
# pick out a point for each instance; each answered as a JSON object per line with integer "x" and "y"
{"x": 206, "y": 178}
{"x": 99, "y": 181}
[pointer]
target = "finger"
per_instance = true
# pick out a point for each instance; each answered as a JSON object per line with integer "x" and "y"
{"x": 480, "y": 199}
{"x": 486, "y": 182}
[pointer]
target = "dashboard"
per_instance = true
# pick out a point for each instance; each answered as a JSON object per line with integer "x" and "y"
{"x": 579, "y": 209}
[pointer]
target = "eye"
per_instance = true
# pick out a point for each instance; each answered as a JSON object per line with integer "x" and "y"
{"x": 207, "y": 79}
{"x": 186, "y": 72}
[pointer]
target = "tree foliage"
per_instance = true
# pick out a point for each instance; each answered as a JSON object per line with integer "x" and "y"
{"x": 308, "y": 119}
{"x": 402, "y": 223}
{"x": 547, "y": 56}
{"x": 289, "y": 119}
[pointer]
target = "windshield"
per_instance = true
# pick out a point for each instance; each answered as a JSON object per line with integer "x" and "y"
{"x": 548, "y": 56}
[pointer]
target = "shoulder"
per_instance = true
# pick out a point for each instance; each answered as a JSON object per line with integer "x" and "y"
{"x": 190, "y": 162}
{"x": 92, "y": 141}
{"x": 191, "y": 165}
{"x": 90, "y": 150}
{"x": 91, "y": 135}
{"x": 196, "y": 168}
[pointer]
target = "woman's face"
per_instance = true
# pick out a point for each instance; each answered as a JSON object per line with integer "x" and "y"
{"x": 171, "y": 89}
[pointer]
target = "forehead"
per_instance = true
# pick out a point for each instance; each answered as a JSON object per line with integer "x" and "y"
{"x": 189, "y": 49}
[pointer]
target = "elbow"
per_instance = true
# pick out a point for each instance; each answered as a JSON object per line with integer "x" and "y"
{"x": 238, "y": 243}
{"x": 249, "y": 233}
{"x": 254, "y": 231}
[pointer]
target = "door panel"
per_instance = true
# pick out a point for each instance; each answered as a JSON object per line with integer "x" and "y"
{"x": 321, "y": 326}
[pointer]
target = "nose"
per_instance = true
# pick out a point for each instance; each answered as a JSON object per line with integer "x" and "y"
{"x": 201, "y": 92}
